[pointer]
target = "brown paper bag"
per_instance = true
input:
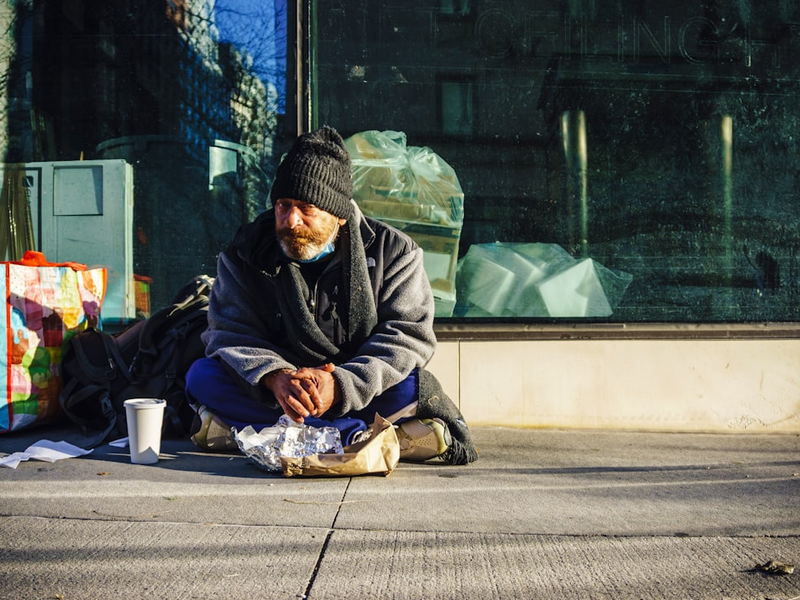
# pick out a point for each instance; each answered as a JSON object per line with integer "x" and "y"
{"x": 378, "y": 455}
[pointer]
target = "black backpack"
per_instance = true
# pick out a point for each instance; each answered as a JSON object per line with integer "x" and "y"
{"x": 149, "y": 359}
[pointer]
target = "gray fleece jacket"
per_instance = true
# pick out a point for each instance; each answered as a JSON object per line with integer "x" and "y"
{"x": 249, "y": 333}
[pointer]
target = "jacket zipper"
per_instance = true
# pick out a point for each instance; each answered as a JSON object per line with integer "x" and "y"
{"x": 339, "y": 337}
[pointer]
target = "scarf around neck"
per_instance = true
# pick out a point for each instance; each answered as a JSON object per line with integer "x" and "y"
{"x": 309, "y": 343}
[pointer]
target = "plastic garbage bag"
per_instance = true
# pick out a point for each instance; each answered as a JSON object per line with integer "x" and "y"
{"x": 411, "y": 184}
{"x": 535, "y": 280}
{"x": 415, "y": 190}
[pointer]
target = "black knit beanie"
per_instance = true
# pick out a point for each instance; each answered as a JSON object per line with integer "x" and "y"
{"x": 317, "y": 170}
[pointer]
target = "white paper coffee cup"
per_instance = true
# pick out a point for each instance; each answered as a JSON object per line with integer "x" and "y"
{"x": 145, "y": 416}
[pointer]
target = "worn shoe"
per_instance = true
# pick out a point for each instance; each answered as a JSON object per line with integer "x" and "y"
{"x": 211, "y": 433}
{"x": 423, "y": 439}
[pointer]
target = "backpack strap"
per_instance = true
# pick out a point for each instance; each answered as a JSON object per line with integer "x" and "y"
{"x": 86, "y": 397}
{"x": 172, "y": 411}
{"x": 114, "y": 365}
{"x": 193, "y": 293}
{"x": 76, "y": 394}
{"x": 193, "y": 297}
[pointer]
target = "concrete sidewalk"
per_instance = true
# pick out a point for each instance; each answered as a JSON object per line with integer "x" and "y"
{"x": 542, "y": 514}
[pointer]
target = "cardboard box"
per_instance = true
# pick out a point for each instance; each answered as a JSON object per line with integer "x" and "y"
{"x": 444, "y": 303}
{"x": 440, "y": 257}
{"x": 435, "y": 208}
{"x": 431, "y": 213}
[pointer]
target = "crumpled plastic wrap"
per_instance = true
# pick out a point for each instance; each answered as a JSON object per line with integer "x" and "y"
{"x": 415, "y": 190}
{"x": 286, "y": 438}
{"x": 409, "y": 184}
{"x": 535, "y": 280}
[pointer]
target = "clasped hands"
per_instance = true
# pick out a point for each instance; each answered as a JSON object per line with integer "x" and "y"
{"x": 305, "y": 392}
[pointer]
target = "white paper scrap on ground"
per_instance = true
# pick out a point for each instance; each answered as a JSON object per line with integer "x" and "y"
{"x": 44, "y": 450}
{"x": 120, "y": 443}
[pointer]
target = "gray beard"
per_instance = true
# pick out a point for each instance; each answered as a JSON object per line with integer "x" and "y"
{"x": 305, "y": 250}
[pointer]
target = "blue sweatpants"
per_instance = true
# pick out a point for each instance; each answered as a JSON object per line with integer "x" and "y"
{"x": 209, "y": 383}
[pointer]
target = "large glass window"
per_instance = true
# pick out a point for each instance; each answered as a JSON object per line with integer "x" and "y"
{"x": 559, "y": 161}
{"x": 162, "y": 118}
{"x": 620, "y": 160}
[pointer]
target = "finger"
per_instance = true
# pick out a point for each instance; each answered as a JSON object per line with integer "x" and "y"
{"x": 297, "y": 408}
{"x": 290, "y": 412}
{"x": 313, "y": 392}
{"x": 301, "y": 395}
{"x": 294, "y": 416}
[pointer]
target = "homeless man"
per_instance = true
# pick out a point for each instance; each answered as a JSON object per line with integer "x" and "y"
{"x": 325, "y": 315}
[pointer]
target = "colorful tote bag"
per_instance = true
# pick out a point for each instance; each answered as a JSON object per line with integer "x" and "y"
{"x": 44, "y": 305}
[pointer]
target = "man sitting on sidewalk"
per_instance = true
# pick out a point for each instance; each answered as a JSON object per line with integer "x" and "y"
{"x": 325, "y": 315}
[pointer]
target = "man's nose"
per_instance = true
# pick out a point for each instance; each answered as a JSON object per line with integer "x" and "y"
{"x": 294, "y": 218}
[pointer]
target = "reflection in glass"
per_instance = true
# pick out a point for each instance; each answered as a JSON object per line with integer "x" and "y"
{"x": 689, "y": 108}
{"x": 576, "y": 155}
{"x": 158, "y": 86}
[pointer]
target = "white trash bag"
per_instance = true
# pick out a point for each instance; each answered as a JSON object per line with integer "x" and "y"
{"x": 535, "y": 280}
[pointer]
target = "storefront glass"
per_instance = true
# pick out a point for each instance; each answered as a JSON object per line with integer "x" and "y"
{"x": 561, "y": 161}
{"x": 620, "y": 160}
{"x": 190, "y": 94}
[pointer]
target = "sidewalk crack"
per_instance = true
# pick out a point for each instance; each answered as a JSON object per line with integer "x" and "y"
{"x": 324, "y": 548}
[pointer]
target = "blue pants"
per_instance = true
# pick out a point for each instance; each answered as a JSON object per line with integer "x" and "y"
{"x": 209, "y": 383}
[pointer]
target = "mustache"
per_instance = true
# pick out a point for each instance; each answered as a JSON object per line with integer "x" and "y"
{"x": 301, "y": 235}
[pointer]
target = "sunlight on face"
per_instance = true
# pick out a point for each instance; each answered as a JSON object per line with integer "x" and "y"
{"x": 302, "y": 229}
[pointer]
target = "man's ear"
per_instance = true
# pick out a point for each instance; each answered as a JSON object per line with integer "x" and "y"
{"x": 342, "y": 222}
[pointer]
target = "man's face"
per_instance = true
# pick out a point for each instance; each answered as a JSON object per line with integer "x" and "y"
{"x": 304, "y": 230}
